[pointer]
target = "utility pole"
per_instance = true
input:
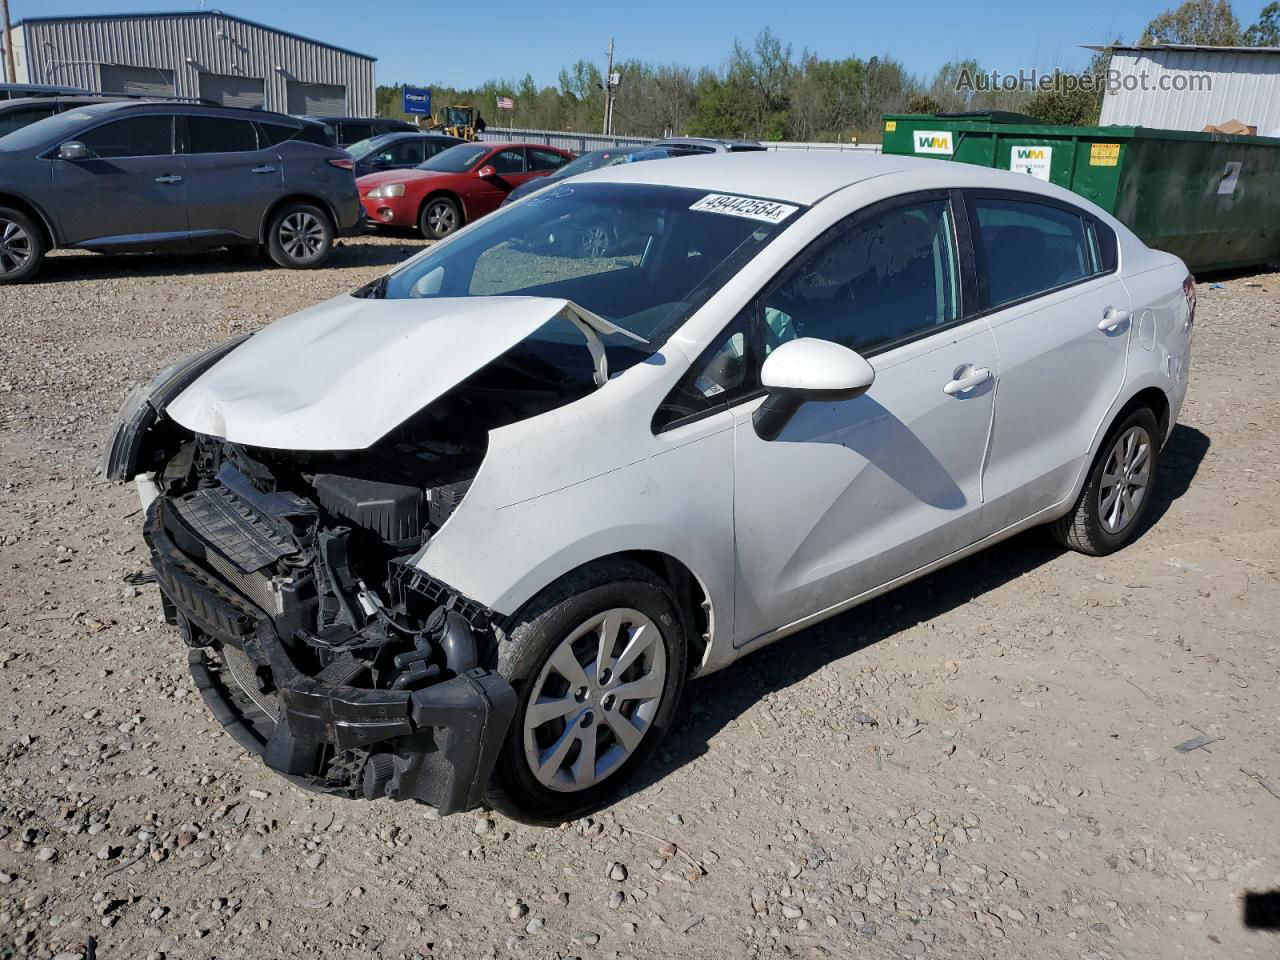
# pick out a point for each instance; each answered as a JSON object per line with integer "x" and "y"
{"x": 10, "y": 70}
{"x": 608, "y": 91}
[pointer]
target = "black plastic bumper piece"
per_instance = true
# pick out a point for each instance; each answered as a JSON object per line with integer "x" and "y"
{"x": 437, "y": 744}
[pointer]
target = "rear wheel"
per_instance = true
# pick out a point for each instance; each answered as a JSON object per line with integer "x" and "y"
{"x": 1109, "y": 512}
{"x": 300, "y": 237}
{"x": 440, "y": 217}
{"x": 598, "y": 663}
{"x": 22, "y": 246}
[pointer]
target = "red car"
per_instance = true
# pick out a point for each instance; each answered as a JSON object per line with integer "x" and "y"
{"x": 455, "y": 186}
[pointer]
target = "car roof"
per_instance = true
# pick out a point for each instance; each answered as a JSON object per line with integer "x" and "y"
{"x": 186, "y": 106}
{"x": 727, "y": 143}
{"x": 805, "y": 177}
{"x": 792, "y": 176}
{"x": 80, "y": 98}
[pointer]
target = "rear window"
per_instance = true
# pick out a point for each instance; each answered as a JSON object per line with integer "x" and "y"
{"x": 355, "y": 131}
{"x": 1030, "y": 247}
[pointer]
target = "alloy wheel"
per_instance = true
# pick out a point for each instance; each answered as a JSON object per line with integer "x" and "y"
{"x": 595, "y": 241}
{"x": 595, "y": 699}
{"x": 302, "y": 235}
{"x": 15, "y": 247}
{"x": 441, "y": 218}
{"x": 1126, "y": 479}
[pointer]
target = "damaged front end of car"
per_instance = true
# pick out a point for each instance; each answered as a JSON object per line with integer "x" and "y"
{"x": 314, "y": 638}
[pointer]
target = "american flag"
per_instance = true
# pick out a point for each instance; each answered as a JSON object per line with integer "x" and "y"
{"x": 506, "y": 103}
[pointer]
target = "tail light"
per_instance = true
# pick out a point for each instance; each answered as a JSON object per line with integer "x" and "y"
{"x": 344, "y": 163}
{"x": 1189, "y": 291}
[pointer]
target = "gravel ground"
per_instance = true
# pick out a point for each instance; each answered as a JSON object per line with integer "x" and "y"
{"x": 981, "y": 764}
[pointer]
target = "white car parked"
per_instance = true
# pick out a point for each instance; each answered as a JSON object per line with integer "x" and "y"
{"x": 464, "y": 534}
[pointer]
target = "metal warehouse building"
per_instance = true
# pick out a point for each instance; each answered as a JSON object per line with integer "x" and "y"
{"x": 202, "y": 54}
{"x": 1186, "y": 87}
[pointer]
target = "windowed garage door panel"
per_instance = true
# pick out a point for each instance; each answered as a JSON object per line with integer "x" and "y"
{"x": 138, "y": 81}
{"x": 232, "y": 91}
{"x": 317, "y": 99}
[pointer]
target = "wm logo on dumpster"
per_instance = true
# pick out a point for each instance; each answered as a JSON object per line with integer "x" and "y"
{"x": 933, "y": 141}
{"x": 1029, "y": 153}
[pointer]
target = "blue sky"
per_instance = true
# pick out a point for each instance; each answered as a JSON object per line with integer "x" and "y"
{"x": 462, "y": 44}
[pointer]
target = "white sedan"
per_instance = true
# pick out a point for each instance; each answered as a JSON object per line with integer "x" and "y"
{"x": 462, "y": 535}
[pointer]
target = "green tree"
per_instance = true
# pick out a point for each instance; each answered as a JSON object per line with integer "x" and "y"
{"x": 923, "y": 103}
{"x": 1209, "y": 22}
{"x": 1070, "y": 101}
{"x": 1266, "y": 32}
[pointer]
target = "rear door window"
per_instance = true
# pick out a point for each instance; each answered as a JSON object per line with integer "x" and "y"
{"x": 1028, "y": 248}
{"x": 145, "y": 136}
{"x": 220, "y": 135}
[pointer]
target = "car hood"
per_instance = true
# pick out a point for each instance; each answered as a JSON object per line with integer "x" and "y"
{"x": 371, "y": 180}
{"x": 342, "y": 374}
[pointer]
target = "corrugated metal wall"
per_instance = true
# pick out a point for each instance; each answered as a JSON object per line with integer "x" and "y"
{"x": 1241, "y": 85}
{"x": 69, "y": 52}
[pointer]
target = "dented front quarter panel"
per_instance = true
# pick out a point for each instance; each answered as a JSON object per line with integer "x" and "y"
{"x": 586, "y": 481}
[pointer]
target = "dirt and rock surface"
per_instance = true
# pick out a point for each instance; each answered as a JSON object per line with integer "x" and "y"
{"x": 979, "y": 765}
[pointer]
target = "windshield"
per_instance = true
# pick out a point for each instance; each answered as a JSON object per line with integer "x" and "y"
{"x": 362, "y": 148}
{"x": 642, "y": 256}
{"x": 457, "y": 159}
{"x": 48, "y": 130}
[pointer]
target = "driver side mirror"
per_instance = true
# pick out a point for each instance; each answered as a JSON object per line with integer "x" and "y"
{"x": 73, "y": 150}
{"x": 804, "y": 370}
{"x": 487, "y": 171}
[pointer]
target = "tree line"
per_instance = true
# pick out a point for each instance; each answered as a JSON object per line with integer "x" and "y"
{"x": 765, "y": 90}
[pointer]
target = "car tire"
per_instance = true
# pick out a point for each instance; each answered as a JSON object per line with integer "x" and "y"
{"x": 300, "y": 236}
{"x": 440, "y": 216}
{"x": 22, "y": 246}
{"x": 1108, "y": 515}
{"x": 569, "y": 619}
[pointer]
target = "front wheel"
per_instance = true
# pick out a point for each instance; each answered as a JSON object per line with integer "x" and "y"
{"x": 21, "y": 246}
{"x": 440, "y": 217}
{"x": 598, "y": 663}
{"x": 300, "y": 237}
{"x": 1118, "y": 490}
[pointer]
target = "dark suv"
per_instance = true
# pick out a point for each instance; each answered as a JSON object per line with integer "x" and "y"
{"x": 129, "y": 175}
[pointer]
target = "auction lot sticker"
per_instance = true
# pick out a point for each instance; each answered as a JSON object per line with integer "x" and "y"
{"x": 770, "y": 211}
{"x": 1032, "y": 160}
{"x": 1104, "y": 154}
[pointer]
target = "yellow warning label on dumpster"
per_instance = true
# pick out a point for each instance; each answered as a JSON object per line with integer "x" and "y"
{"x": 1104, "y": 154}
{"x": 890, "y": 126}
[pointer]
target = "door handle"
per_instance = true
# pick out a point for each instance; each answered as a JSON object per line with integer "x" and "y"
{"x": 169, "y": 178}
{"x": 968, "y": 381}
{"x": 263, "y": 169}
{"x": 1112, "y": 318}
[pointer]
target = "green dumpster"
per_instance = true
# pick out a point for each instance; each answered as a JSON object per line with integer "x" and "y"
{"x": 1211, "y": 198}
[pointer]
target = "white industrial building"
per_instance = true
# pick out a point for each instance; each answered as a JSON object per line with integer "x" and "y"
{"x": 1177, "y": 86}
{"x": 196, "y": 54}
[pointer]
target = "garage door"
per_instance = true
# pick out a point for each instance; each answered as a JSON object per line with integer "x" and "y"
{"x": 138, "y": 81}
{"x": 317, "y": 99}
{"x": 232, "y": 91}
